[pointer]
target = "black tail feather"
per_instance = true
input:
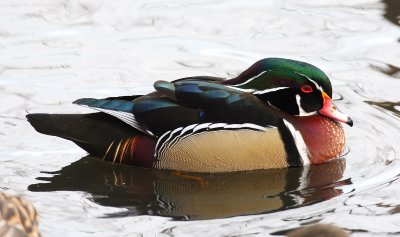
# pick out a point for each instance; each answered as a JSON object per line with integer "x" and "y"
{"x": 92, "y": 132}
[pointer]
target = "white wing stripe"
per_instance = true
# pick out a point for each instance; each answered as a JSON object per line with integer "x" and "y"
{"x": 126, "y": 117}
{"x": 201, "y": 126}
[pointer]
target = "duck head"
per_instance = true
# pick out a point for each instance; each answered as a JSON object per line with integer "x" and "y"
{"x": 302, "y": 94}
{"x": 293, "y": 87}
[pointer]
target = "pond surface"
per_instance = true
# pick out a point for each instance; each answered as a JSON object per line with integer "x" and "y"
{"x": 53, "y": 52}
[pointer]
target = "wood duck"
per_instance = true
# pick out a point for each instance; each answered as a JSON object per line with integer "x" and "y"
{"x": 18, "y": 217}
{"x": 277, "y": 113}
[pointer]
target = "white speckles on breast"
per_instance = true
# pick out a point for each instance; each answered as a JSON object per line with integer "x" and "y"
{"x": 324, "y": 137}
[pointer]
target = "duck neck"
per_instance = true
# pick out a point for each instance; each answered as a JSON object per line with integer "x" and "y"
{"x": 323, "y": 137}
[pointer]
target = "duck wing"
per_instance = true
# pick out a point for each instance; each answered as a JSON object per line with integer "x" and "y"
{"x": 184, "y": 102}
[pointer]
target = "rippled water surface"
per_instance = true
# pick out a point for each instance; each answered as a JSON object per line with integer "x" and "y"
{"x": 53, "y": 52}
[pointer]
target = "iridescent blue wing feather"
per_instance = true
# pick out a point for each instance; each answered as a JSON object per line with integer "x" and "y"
{"x": 107, "y": 104}
{"x": 220, "y": 103}
{"x": 185, "y": 102}
{"x": 116, "y": 107}
{"x": 159, "y": 114}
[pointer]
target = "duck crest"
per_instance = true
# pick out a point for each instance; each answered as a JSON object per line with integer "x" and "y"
{"x": 271, "y": 73}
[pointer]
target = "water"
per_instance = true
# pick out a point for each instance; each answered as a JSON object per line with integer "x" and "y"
{"x": 53, "y": 52}
{"x": 197, "y": 196}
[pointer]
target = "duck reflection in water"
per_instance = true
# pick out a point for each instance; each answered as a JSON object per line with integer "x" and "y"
{"x": 189, "y": 196}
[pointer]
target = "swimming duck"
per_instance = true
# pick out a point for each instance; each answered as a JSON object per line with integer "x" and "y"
{"x": 18, "y": 217}
{"x": 277, "y": 113}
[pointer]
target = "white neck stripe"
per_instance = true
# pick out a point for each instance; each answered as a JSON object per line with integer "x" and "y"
{"x": 299, "y": 142}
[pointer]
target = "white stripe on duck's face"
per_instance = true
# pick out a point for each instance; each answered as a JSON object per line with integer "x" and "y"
{"x": 223, "y": 148}
{"x": 301, "y": 96}
{"x": 302, "y": 112}
{"x": 305, "y": 100}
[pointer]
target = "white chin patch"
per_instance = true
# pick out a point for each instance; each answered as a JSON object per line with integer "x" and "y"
{"x": 301, "y": 110}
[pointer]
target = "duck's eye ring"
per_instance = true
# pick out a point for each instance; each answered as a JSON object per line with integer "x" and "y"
{"x": 306, "y": 88}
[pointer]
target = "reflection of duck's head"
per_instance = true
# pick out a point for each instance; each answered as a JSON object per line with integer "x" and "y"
{"x": 18, "y": 217}
{"x": 197, "y": 195}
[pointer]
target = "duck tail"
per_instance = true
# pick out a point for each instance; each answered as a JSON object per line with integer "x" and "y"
{"x": 135, "y": 150}
{"x": 92, "y": 132}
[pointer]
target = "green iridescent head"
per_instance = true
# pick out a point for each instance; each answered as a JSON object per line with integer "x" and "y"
{"x": 271, "y": 73}
{"x": 294, "y": 87}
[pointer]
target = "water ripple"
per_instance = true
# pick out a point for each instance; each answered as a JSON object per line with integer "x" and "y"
{"x": 53, "y": 52}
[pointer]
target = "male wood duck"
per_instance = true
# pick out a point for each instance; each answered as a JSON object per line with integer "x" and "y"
{"x": 18, "y": 217}
{"x": 277, "y": 113}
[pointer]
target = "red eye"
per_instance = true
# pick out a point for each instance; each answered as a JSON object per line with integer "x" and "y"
{"x": 306, "y": 89}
